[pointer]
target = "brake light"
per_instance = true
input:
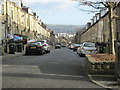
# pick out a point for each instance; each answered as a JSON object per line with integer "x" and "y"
{"x": 39, "y": 46}
{"x": 44, "y": 45}
{"x": 27, "y": 46}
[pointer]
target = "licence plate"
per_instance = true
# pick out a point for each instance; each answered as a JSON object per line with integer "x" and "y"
{"x": 33, "y": 47}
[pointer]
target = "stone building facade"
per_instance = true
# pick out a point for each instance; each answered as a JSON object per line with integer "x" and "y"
{"x": 105, "y": 32}
{"x": 101, "y": 32}
{"x": 98, "y": 32}
{"x": 21, "y": 20}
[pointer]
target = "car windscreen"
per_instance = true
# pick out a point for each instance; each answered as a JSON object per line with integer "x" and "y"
{"x": 89, "y": 45}
{"x": 42, "y": 42}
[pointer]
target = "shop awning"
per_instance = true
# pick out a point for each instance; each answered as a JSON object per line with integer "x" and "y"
{"x": 23, "y": 36}
{"x": 17, "y": 38}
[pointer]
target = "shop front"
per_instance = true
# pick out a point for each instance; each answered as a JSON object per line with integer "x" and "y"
{"x": 20, "y": 41}
{"x": 16, "y": 43}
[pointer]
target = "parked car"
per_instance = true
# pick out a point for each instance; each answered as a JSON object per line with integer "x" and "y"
{"x": 45, "y": 45}
{"x": 71, "y": 46}
{"x": 86, "y": 48}
{"x": 75, "y": 47}
{"x": 57, "y": 46}
{"x": 63, "y": 45}
{"x": 34, "y": 48}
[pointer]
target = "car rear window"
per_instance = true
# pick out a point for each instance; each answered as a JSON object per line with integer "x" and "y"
{"x": 89, "y": 45}
{"x": 36, "y": 43}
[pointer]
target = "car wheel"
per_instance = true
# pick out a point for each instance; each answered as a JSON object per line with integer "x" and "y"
{"x": 82, "y": 55}
{"x": 44, "y": 52}
{"x": 49, "y": 51}
{"x": 79, "y": 54}
{"x": 41, "y": 53}
{"x": 74, "y": 50}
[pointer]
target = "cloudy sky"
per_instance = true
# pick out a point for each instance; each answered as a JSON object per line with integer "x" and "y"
{"x": 65, "y": 12}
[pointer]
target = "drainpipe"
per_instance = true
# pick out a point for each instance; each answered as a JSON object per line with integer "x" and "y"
{"x": 110, "y": 32}
{"x": 6, "y": 27}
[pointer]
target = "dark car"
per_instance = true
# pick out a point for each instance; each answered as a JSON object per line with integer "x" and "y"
{"x": 34, "y": 48}
{"x": 57, "y": 46}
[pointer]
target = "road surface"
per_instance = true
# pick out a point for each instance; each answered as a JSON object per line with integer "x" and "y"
{"x": 62, "y": 68}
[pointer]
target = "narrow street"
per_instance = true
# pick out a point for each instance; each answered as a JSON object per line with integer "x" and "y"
{"x": 62, "y": 68}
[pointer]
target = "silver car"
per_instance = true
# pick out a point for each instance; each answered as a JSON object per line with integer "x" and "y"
{"x": 45, "y": 45}
{"x": 87, "y": 48}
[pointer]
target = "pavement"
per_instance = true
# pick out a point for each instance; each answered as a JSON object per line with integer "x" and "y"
{"x": 106, "y": 81}
{"x": 11, "y": 56}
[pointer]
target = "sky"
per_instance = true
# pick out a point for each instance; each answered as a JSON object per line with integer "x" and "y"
{"x": 62, "y": 12}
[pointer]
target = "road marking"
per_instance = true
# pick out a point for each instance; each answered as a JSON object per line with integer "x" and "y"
{"x": 61, "y": 75}
{"x": 102, "y": 75}
{"x": 19, "y": 66}
{"x": 49, "y": 74}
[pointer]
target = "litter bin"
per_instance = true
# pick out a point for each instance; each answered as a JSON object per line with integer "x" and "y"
{"x": 19, "y": 47}
{"x": 12, "y": 49}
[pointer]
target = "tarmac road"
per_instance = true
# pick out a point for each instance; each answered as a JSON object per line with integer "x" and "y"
{"x": 62, "y": 68}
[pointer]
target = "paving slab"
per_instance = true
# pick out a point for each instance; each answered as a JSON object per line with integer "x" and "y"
{"x": 106, "y": 81}
{"x": 10, "y": 56}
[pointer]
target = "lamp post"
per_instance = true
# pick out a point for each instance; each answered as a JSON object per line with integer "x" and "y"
{"x": 6, "y": 27}
{"x": 3, "y": 36}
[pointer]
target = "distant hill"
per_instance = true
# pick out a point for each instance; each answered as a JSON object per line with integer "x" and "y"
{"x": 70, "y": 29}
